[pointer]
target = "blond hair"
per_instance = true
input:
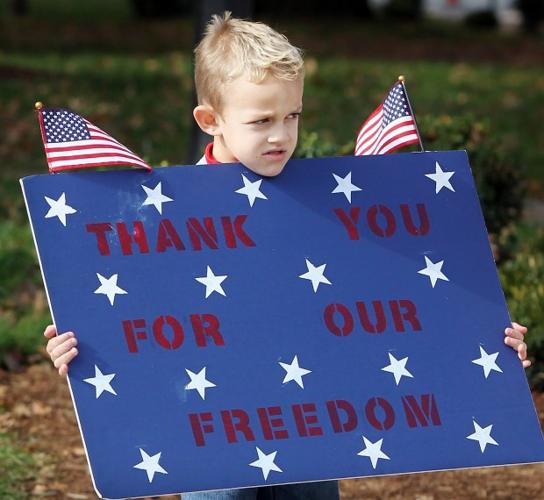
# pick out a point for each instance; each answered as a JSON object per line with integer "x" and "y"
{"x": 232, "y": 48}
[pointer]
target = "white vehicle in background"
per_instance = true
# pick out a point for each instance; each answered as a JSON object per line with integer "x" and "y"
{"x": 506, "y": 11}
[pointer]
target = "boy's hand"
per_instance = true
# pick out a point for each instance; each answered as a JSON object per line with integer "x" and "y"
{"x": 514, "y": 338}
{"x": 61, "y": 348}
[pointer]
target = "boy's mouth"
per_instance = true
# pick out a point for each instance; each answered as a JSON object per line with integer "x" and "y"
{"x": 275, "y": 153}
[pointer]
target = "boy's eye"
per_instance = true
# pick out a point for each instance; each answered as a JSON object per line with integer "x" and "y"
{"x": 260, "y": 122}
{"x": 294, "y": 115}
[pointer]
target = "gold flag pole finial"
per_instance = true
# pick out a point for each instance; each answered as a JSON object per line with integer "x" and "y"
{"x": 402, "y": 79}
{"x": 38, "y": 105}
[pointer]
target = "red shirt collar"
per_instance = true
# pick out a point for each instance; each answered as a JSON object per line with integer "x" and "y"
{"x": 208, "y": 153}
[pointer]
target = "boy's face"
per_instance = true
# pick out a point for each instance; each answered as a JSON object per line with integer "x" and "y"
{"x": 258, "y": 125}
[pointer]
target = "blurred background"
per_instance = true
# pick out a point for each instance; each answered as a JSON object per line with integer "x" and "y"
{"x": 474, "y": 73}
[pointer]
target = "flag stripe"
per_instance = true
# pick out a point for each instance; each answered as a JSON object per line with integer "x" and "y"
{"x": 384, "y": 143}
{"x": 67, "y": 146}
{"x": 371, "y": 122}
{"x": 401, "y": 142}
{"x": 369, "y": 119}
{"x": 96, "y": 133}
{"x": 97, "y": 164}
{"x": 93, "y": 161}
{"x": 80, "y": 158}
{"x": 83, "y": 153}
{"x": 398, "y": 127}
{"x": 370, "y": 127}
{"x": 86, "y": 159}
{"x": 60, "y": 150}
{"x": 370, "y": 137}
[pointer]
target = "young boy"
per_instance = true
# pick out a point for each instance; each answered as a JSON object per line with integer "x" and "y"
{"x": 249, "y": 82}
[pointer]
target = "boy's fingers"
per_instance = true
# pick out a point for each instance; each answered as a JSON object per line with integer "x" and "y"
{"x": 521, "y": 328}
{"x": 58, "y": 340}
{"x": 526, "y": 363}
{"x": 514, "y": 333}
{"x": 522, "y": 351}
{"x": 520, "y": 347}
{"x": 65, "y": 359}
{"x": 50, "y": 331}
{"x": 63, "y": 370}
{"x": 514, "y": 343}
{"x": 63, "y": 348}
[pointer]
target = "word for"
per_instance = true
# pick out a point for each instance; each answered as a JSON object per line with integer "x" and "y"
{"x": 200, "y": 234}
{"x": 303, "y": 420}
{"x": 382, "y": 222}
{"x": 168, "y": 332}
{"x": 340, "y": 320}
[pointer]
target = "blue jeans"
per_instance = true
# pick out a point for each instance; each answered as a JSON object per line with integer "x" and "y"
{"x": 308, "y": 491}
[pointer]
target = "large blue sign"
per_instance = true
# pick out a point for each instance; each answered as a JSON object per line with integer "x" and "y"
{"x": 344, "y": 319}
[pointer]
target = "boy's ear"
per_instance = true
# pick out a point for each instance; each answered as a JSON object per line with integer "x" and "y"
{"x": 206, "y": 117}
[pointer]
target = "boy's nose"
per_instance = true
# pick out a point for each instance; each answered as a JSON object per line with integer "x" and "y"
{"x": 279, "y": 134}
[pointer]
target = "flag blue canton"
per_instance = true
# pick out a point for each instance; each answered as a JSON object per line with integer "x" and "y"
{"x": 64, "y": 126}
{"x": 395, "y": 106}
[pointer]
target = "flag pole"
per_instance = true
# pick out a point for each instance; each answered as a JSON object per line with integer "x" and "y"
{"x": 402, "y": 80}
{"x": 38, "y": 106}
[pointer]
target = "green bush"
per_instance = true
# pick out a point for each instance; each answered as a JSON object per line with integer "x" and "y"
{"x": 17, "y": 259}
{"x": 310, "y": 145}
{"x": 499, "y": 180}
{"x": 23, "y": 308}
{"x": 21, "y": 337}
{"x": 522, "y": 277}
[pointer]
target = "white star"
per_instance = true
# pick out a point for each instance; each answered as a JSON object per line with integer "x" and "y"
{"x": 212, "y": 282}
{"x": 315, "y": 275}
{"x": 101, "y": 382}
{"x": 294, "y": 372}
{"x": 199, "y": 382}
{"x": 251, "y": 190}
{"x": 373, "y": 451}
{"x": 108, "y": 286}
{"x": 59, "y": 208}
{"x": 482, "y": 435}
{"x": 398, "y": 368}
{"x": 441, "y": 178}
{"x": 345, "y": 186}
{"x": 265, "y": 463}
{"x": 433, "y": 271}
{"x": 155, "y": 197}
{"x": 487, "y": 361}
{"x": 150, "y": 464}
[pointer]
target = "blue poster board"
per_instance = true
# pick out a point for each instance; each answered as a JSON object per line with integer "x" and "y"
{"x": 343, "y": 319}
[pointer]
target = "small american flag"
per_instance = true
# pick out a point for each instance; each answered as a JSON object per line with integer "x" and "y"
{"x": 73, "y": 142}
{"x": 390, "y": 127}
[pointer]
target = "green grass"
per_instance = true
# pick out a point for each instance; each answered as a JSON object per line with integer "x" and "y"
{"x": 17, "y": 468}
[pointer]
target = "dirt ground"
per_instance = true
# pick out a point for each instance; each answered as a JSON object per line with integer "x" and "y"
{"x": 40, "y": 413}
